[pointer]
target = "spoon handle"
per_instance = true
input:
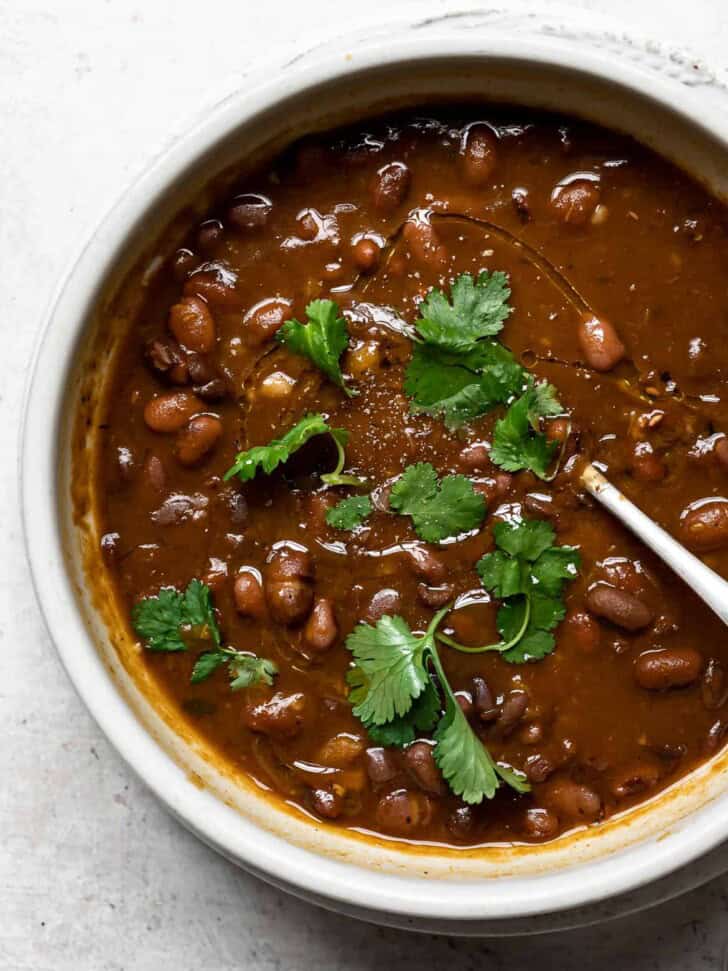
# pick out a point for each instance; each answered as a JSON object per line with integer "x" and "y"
{"x": 705, "y": 582}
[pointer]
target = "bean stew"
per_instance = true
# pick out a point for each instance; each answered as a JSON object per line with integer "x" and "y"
{"x": 339, "y": 475}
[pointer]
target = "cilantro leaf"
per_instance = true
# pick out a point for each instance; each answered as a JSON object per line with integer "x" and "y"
{"x": 349, "y": 513}
{"x": 244, "y": 669}
{"x": 517, "y": 444}
{"x": 269, "y": 457}
{"x": 169, "y": 620}
{"x": 422, "y": 717}
{"x": 527, "y": 572}
{"x": 323, "y": 339}
{"x": 464, "y": 761}
{"x": 206, "y": 664}
{"x": 438, "y": 510}
{"x": 390, "y": 658}
{"x": 476, "y": 309}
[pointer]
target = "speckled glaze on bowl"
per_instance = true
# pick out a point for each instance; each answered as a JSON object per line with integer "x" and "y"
{"x": 497, "y": 56}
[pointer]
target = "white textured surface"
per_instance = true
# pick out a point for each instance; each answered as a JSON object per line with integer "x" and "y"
{"x": 94, "y": 876}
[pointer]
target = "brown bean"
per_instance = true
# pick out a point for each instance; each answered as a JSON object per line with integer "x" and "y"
{"x": 478, "y": 154}
{"x": 475, "y": 458}
{"x": 558, "y": 429}
{"x": 403, "y": 812}
{"x": 635, "y": 778}
{"x": 668, "y": 667}
{"x": 290, "y": 601}
{"x": 366, "y": 254}
{"x": 646, "y": 465}
{"x": 166, "y": 359}
{"x": 580, "y": 630}
{"x": 381, "y": 765}
{"x": 539, "y": 768}
{"x": 465, "y": 700}
{"x": 424, "y": 243}
{"x": 572, "y": 800}
{"x": 704, "y": 525}
{"x": 540, "y": 824}
{"x": 209, "y": 234}
{"x": 248, "y": 594}
{"x": 386, "y": 601}
{"x": 619, "y": 607}
{"x": 327, "y": 803}
{"x": 512, "y": 710}
{"x": 216, "y": 285}
{"x": 290, "y": 562}
{"x": 321, "y": 630}
{"x": 263, "y": 320}
{"x": 461, "y": 822}
{"x": 198, "y": 439}
{"x": 390, "y": 186}
{"x": 427, "y": 565}
{"x": 340, "y": 751}
{"x": 282, "y": 716}
{"x": 420, "y": 761}
{"x": 213, "y": 390}
{"x": 713, "y": 688}
{"x": 169, "y": 412}
{"x": 600, "y": 343}
{"x": 485, "y": 707}
{"x": 575, "y": 203}
{"x": 192, "y": 324}
{"x": 434, "y": 596}
{"x": 249, "y": 213}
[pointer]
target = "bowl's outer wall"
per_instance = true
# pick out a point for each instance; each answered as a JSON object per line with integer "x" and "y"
{"x": 363, "y": 876}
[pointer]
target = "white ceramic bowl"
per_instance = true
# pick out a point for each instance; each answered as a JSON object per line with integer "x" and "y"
{"x": 457, "y": 891}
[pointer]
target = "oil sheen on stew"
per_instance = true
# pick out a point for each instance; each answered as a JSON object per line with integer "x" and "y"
{"x": 480, "y": 301}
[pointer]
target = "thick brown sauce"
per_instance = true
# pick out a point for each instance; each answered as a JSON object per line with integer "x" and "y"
{"x": 651, "y": 258}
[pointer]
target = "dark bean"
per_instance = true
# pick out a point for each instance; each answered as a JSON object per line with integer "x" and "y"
{"x": 512, "y": 710}
{"x": 574, "y": 204}
{"x": 282, "y": 716}
{"x": 321, "y": 630}
{"x": 704, "y": 525}
{"x": 619, "y": 607}
{"x": 326, "y": 803}
{"x": 478, "y": 154}
{"x": 434, "y": 596}
{"x": 539, "y": 768}
{"x": 249, "y": 213}
{"x": 209, "y": 234}
{"x": 540, "y": 824}
{"x": 381, "y": 765}
{"x": 169, "y": 412}
{"x": 165, "y": 357}
{"x": 198, "y": 439}
{"x": 248, "y": 594}
{"x": 668, "y": 667}
{"x": 263, "y": 320}
{"x": 461, "y": 822}
{"x": 213, "y": 390}
{"x": 390, "y": 187}
{"x": 386, "y": 601}
{"x": 427, "y": 564}
{"x": 465, "y": 701}
{"x": 713, "y": 688}
{"x": 192, "y": 324}
{"x": 403, "y": 812}
{"x": 572, "y": 800}
{"x": 633, "y": 779}
{"x": 600, "y": 343}
{"x": 183, "y": 262}
{"x": 420, "y": 761}
{"x": 483, "y": 702}
{"x": 366, "y": 254}
{"x": 475, "y": 458}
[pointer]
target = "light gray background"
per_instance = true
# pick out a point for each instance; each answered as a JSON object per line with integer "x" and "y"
{"x": 94, "y": 875}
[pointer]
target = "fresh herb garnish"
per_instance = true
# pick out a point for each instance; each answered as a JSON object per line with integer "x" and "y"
{"x": 476, "y": 309}
{"x": 323, "y": 339}
{"x": 527, "y": 572}
{"x": 439, "y": 509}
{"x": 349, "y": 513}
{"x": 394, "y": 695}
{"x": 518, "y": 442}
{"x": 269, "y": 457}
{"x": 174, "y": 621}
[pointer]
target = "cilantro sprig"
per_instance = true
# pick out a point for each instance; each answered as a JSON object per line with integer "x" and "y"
{"x": 528, "y": 573}
{"x": 439, "y": 508}
{"x": 349, "y": 513}
{"x": 267, "y": 458}
{"x": 518, "y": 442}
{"x": 394, "y": 694}
{"x": 477, "y": 308}
{"x": 322, "y": 340}
{"x": 175, "y": 621}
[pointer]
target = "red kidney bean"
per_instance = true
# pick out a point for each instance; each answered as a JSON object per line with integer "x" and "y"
{"x": 632, "y": 779}
{"x": 403, "y": 811}
{"x": 215, "y": 284}
{"x": 434, "y": 596}
{"x": 619, "y": 607}
{"x": 198, "y": 439}
{"x": 366, "y": 254}
{"x": 166, "y": 359}
{"x": 600, "y": 343}
{"x": 574, "y": 204}
{"x": 192, "y": 324}
{"x": 704, "y": 525}
{"x": 420, "y": 761}
{"x": 461, "y": 822}
{"x": 646, "y": 465}
{"x": 581, "y": 631}
{"x": 249, "y": 213}
{"x": 282, "y": 716}
{"x": 424, "y": 243}
{"x": 668, "y": 667}
{"x": 327, "y": 803}
{"x": 540, "y": 824}
{"x": 539, "y": 768}
{"x": 390, "y": 186}
{"x": 248, "y": 595}
{"x": 475, "y": 458}
{"x": 381, "y": 765}
{"x": 321, "y": 629}
{"x": 713, "y": 687}
{"x": 288, "y": 590}
{"x": 485, "y": 707}
{"x": 478, "y": 154}
{"x": 169, "y": 412}
{"x": 572, "y": 800}
{"x": 263, "y": 320}
{"x": 427, "y": 565}
{"x": 512, "y": 710}
{"x": 386, "y": 601}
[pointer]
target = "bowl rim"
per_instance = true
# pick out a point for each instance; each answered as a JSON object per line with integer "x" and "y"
{"x": 330, "y": 881}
